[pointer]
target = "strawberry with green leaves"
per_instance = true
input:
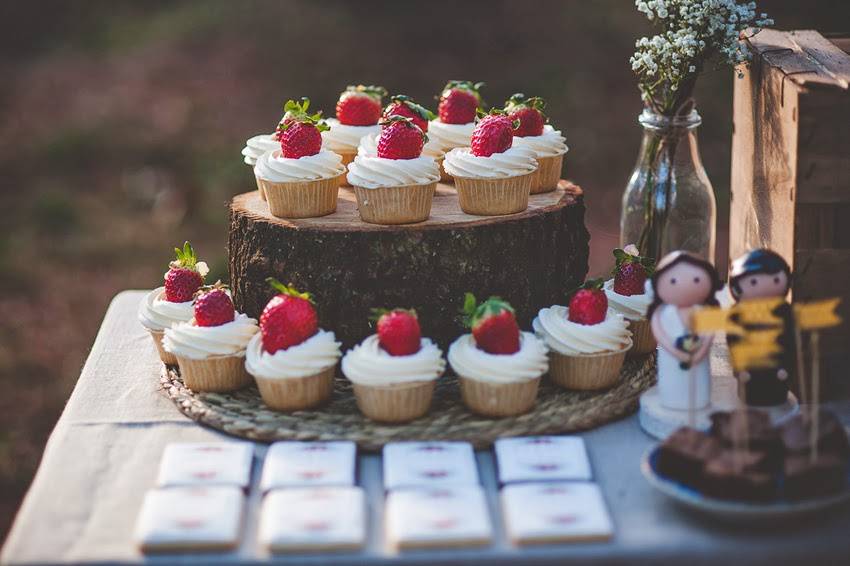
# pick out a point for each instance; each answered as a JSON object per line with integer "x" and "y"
{"x": 185, "y": 275}
{"x": 493, "y": 324}
{"x": 400, "y": 139}
{"x": 588, "y": 304}
{"x": 398, "y": 331}
{"x": 288, "y": 319}
{"x": 213, "y": 306}
{"x": 494, "y": 133}
{"x": 528, "y": 111}
{"x": 631, "y": 271}
{"x": 300, "y": 133}
{"x": 403, "y": 105}
{"x": 459, "y": 102}
{"x": 360, "y": 105}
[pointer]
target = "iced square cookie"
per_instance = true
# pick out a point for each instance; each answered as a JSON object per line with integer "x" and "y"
{"x": 206, "y": 463}
{"x": 304, "y": 464}
{"x": 542, "y": 458}
{"x": 411, "y": 464}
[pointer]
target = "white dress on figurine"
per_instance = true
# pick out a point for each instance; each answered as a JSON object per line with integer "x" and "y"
{"x": 672, "y": 379}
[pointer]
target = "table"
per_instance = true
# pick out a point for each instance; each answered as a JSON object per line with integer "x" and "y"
{"x": 104, "y": 452}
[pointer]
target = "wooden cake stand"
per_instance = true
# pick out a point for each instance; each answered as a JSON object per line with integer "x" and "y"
{"x": 532, "y": 259}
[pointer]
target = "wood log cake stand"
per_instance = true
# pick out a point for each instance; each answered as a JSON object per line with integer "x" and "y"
{"x": 532, "y": 259}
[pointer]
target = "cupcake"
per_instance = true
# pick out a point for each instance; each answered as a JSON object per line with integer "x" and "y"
{"x": 358, "y": 112}
{"x": 402, "y": 105}
{"x": 587, "y": 341}
{"x": 498, "y": 366}
{"x": 493, "y": 176}
{"x": 546, "y": 142}
{"x": 172, "y": 303}
{"x": 291, "y": 359}
{"x": 394, "y": 371}
{"x": 397, "y": 185}
{"x": 300, "y": 179}
{"x": 457, "y": 110}
{"x": 210, "y": 348}
{"x": 630, "y": 294}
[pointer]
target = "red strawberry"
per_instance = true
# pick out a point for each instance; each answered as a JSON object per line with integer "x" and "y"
{"x": 631, "y": 271}
{"x": 288, "y": 319}
{"x": 360, "y": 105}
{"x": 300, "y": 133}
{"x": 493, "y": 324}
{"x": 493, "y": 134}
{"x": 588, "y": 304}
{"x": 529, "y": 113}
{"x": 459, "y": 102}
{"x": 400, "y": 139}
{"x": 290, "y": 110}
{"x": 214, "y": 307}
{"x": 184, "y": 275}
{"x": 402, "y": 105}
{"x": 398, "y": 331}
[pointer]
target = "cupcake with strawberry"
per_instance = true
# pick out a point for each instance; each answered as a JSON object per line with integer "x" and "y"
{"x": 402, "y": 105}
{"x": 397, "y": 185}
{"x": 358, "y": 112}
{"x": 210, "y": 348}
{"x": 534, "y": 133}
{"x": 498, "y": 366}
{"x": 459, "y": 104}
{"x": 393, "y": 371}
{"x": 292, "y": 360}
{"x": 493, "y": 176}
{"x": 587, "y": 341}
{"x": 300, "y": 179}
{"x": 172, "y": 303}
{"x": 629, "y": 293}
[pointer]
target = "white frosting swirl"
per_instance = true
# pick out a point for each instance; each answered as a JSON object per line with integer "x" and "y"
{"x": 375, "y": 172}
{"x": 529, "y": 362}
{"x": 342, "y": 137}
{"x": 199, "y": 342}
{"x": 369, "y": 364}
{"x": 369, "y": 148}
{"x": 548, "y": 144}
{"x": 258, "y": 145}
{"x": 273, "y": 166}
{"x": 155, "y": 313}
{"x": 633, "y": 307}
{"x": 450, "y": 136}
{"x": 310, "y": 357}
{"x": 570, "y": 338}
{"x": 515, "y": 161}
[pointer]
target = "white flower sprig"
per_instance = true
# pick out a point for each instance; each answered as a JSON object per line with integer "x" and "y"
{"x": 692, "y": 32}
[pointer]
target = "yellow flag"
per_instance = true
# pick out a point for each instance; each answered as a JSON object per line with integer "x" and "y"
{"x": 747, "y": 355}
{"x": 711, "y": 319}
{"x": 812, "y": 316}
{"x": 758, "y": 311}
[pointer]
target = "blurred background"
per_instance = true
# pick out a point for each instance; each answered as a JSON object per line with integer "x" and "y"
{"x": 121, "y": 125}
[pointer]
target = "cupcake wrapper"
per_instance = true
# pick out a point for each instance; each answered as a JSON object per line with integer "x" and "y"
{"x": 167, "y": 357}
{"x": 395, "y": 205}
{"x": 262, "y": 191}
{"x": 444, "y": 177}
{"x": 494, "y": 197}
{"x": 298, "y": 393}
{"x": 547, "y": 175}
{"x": 642, "y": 338}
{"x": 498, "y": 399}
{"x": 304, "y": 199}
{"x": 587, "y": 372}
{"x": 394, "y": 403}
{"x": 216, "y": 373}
{"x": 347, "y": 158}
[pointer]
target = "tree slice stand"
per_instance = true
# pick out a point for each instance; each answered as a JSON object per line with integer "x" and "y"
{"x": 243, "y": 414}
{"x": 532, "y": 259}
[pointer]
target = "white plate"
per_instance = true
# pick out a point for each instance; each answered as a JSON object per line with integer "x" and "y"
{"x": 738, "y": 511}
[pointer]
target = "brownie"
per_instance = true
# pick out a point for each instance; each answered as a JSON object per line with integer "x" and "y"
{"x": 682, "y": 457}
{"x": 832, "y": 438}
{"x": 805, "y": 478}
{"x": 739, "y": 475}
{"x": 750, "y": 429}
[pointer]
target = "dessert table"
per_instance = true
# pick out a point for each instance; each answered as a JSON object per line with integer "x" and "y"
{"x": 104, "y": 453}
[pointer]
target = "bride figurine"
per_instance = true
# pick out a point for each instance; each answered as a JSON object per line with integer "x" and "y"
{"x": 682, "y": 282}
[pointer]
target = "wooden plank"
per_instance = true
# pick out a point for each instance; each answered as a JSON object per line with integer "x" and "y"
{"x": 805, "y": 56}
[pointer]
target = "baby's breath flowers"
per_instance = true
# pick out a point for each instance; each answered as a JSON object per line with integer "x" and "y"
{"x": 692, "y": 34}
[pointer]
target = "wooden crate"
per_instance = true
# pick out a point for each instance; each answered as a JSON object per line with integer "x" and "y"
{"x": 791, "y": 171}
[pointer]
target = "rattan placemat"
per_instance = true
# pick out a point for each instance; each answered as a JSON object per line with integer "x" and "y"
{"x": 243, "y": 414}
